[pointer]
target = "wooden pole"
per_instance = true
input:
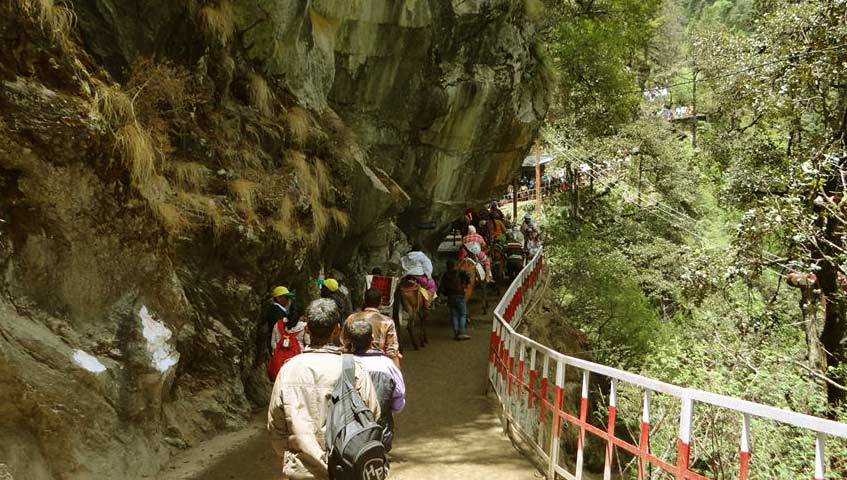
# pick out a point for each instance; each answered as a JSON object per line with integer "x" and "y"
{"x": 537, "y": 179}
{"x": 639, "y": 180}
{"x": 515, "y": 195}
{"x": 694, "y": 110}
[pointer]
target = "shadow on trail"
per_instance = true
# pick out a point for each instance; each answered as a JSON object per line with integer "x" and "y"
{"x": 449, "y": 428}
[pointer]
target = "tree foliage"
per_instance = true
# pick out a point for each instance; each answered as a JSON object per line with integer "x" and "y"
{"x": 673, "y": 259}
{"x": 599, "y": 48}
{"x": 780, "y": 142}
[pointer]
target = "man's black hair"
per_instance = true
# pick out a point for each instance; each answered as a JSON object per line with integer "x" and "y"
{"x": 373, "y": 297}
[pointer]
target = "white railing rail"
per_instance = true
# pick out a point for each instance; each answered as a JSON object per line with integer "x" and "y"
{"x": 521, "y": 369}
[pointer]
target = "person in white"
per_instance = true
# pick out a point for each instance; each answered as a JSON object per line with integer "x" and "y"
{"x": 417, "y": 265}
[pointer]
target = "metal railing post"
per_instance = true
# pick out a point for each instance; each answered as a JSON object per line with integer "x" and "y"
{"x": 555, "y": 425}
{"x": 820, "y": 457}
{"x": 744, "y": 457}
{"x": 545, "y": 375}
{"x": 583, "y": 416}
{"x": 510, "y": 362}
{"x": 610, "y": 430}
{"x": 531, "y": 388}
{"x": 684, "y": 441}
{"x": 644, "y": 439}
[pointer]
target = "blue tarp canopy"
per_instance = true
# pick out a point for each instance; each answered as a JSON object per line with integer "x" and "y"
{"x": 529, "y": 162}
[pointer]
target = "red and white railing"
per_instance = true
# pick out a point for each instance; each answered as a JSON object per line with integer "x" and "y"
{"x": 521, "y": 370}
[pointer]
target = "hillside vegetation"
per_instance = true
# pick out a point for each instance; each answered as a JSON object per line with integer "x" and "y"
{"x": 672, "y": 254}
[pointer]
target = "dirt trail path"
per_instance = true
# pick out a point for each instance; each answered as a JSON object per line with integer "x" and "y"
{"x": 448, "y": 431}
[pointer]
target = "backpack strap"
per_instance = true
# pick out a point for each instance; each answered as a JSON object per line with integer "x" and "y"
{"x": 348, "y": 367}
{"x": 280, "y": 328}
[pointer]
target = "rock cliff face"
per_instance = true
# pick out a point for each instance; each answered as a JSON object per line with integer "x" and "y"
{"x": 164, "y": 163}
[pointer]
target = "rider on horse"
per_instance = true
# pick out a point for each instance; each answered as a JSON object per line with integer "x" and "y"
{"x": 418, "y": 266}
{"x": 473, "y": 245}
{"x": 515, "y": 236}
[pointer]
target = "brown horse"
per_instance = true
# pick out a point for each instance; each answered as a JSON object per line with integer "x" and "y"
{"x": 412, "y": 307}
{"x": 498, "y": 263}
{"x": 468, "y": 266}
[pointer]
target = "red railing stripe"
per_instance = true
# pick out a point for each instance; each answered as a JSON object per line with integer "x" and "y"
{"x": 531, "y": 389}
{"x": 643, "y": 450}
{"x": 745, "y": 463}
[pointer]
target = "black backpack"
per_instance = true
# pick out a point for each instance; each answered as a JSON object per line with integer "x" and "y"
{"x": 353, "y": 438}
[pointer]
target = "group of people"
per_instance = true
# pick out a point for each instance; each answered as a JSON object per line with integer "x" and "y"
{"x": 483, "y": 229}
{"x": 304, "y": 383}
{"x": 306, "y": 349}
{"x": 656, "y": 93}
{"x": 551, "y": 184}
{"x": 669, "y": 113}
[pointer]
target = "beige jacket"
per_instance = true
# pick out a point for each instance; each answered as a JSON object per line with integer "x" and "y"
{"x": 298, "y": 410}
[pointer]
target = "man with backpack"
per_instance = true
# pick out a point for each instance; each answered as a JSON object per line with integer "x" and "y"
{"x": 357, "y": 337}
{"x": 303, "y": 392}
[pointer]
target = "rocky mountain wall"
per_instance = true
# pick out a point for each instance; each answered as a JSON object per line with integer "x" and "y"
{"x": 163, "y": 164}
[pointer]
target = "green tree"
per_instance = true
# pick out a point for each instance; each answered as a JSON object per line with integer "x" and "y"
{"x": 600, "y": 51}
{"x": 781, "y": 145}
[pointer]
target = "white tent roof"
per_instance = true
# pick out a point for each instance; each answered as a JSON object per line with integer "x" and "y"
{"x": 530, "y": 160}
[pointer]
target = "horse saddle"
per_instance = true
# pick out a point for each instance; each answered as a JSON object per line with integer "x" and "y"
{"x": 480, "y": 268}
{"x": 410, "y": 285}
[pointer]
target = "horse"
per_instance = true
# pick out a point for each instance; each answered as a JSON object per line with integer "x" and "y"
{"x": 470, "y": 267}
{"x": 498, "y": 263}
{"x": 514, "y": 260}
{"x": 413, "y": 304}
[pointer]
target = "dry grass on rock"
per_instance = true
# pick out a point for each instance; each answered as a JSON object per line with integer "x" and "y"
{"x": 217, "y": 21}
{"x": 171, "y": 217}
{"x": 191, "y": 176}
{"x": 138, "y": 154}
{"x": 57, "y": 20}
{"x": 314, "y": 185}
{"x": 260, "y": 94}
{"x": 203, "y": 210}
{"x": 114, "y": 106}
{"x": 245, "y": 193}
{"x": 299, "y": 123}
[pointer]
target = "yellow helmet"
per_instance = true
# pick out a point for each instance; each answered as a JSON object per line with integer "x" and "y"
{"x": 280, "y": 292}
{"x": 331, "y": 284}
